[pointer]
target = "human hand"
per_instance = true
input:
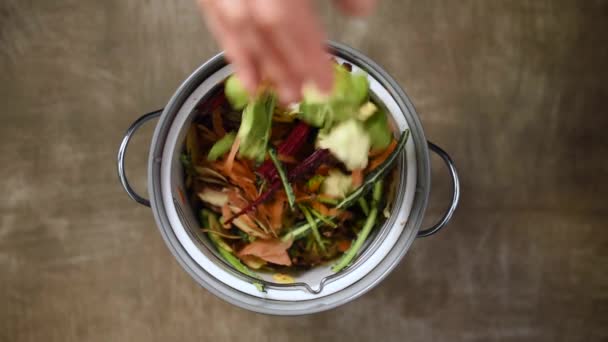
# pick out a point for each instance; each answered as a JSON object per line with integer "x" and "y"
{"x": 279, "y": 41}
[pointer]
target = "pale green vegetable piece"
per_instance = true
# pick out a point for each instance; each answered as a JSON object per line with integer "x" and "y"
{"x": 254, "y": 131}
{"x": 328, "y": 200}
{"x": 348, "y": 142}
{"x": 352, "y": 87}
{"x": 366, "y": 111}
{"x": 379, "y": 131}
{"x": 315, "y": 182}
{"x": 221, "y": 146}
{"x": 298, "y": 232}
{"x": 349, "y": 92}
{"x": 214, "y": 225}
{"x": 213, "y": 197}
{"x": 235, "y": 93}
{"x": 337, "y": 184}
{"x": 359, "y": 87}
{"x": 315, "y": 114}
{"x": 363, "y": 204}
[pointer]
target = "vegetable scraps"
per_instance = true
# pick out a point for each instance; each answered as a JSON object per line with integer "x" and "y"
{"x": 285, "y": 189}
{"x": 255, "y": 127}
{"x": 350, "y": 124}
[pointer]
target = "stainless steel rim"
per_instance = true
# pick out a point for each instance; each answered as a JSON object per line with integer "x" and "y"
{"x": 271, "y": 306}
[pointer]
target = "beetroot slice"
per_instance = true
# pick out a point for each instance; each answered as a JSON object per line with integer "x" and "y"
{"x": 310, "y": 163}
{"x": 295, "y": 140}
{"x": 289, "y": 147}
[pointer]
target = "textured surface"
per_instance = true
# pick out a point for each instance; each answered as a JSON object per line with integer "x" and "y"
{"x": 514, "y": 90}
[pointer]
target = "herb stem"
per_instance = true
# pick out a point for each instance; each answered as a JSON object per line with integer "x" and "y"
{"x": 363, "y": 205}
{"x": 350, "y": 254}
{"x": 313, "y": 226}
{"x": 291, "y": 198}
{"x": 323, "y": 218}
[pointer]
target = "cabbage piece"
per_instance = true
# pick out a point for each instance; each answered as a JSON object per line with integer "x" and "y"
{"x": 221, "y": 146}
{"x": 349, "y": 142}
{"x": 337, "y": 184}
{"x": 350, "y": 90}
{"x": 235, "y": 93}
{"x": 379, "y": 130}
{"x": 254, "y": 131}
{"x": 351, "y": 87}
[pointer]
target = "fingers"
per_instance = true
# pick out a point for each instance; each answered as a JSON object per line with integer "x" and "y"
{"x": 271, "y": 18}
{"x": 295, "y": 43}
{"x": 304, "y": 47}
{"x": 226, "y": 20}
{"x": 277, "y": 41}
{"x": 357, "y": 8}
{"x": 268, "y": 18}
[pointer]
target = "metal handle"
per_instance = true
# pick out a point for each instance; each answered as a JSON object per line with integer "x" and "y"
{"x": 121, "y": 156}
{"x": 455, "y": 193}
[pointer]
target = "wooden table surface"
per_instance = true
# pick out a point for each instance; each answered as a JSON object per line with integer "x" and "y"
{"x": 516, "y": 91}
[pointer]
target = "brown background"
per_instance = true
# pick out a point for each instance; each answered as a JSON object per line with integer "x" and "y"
{"x": 514, "y": 90}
